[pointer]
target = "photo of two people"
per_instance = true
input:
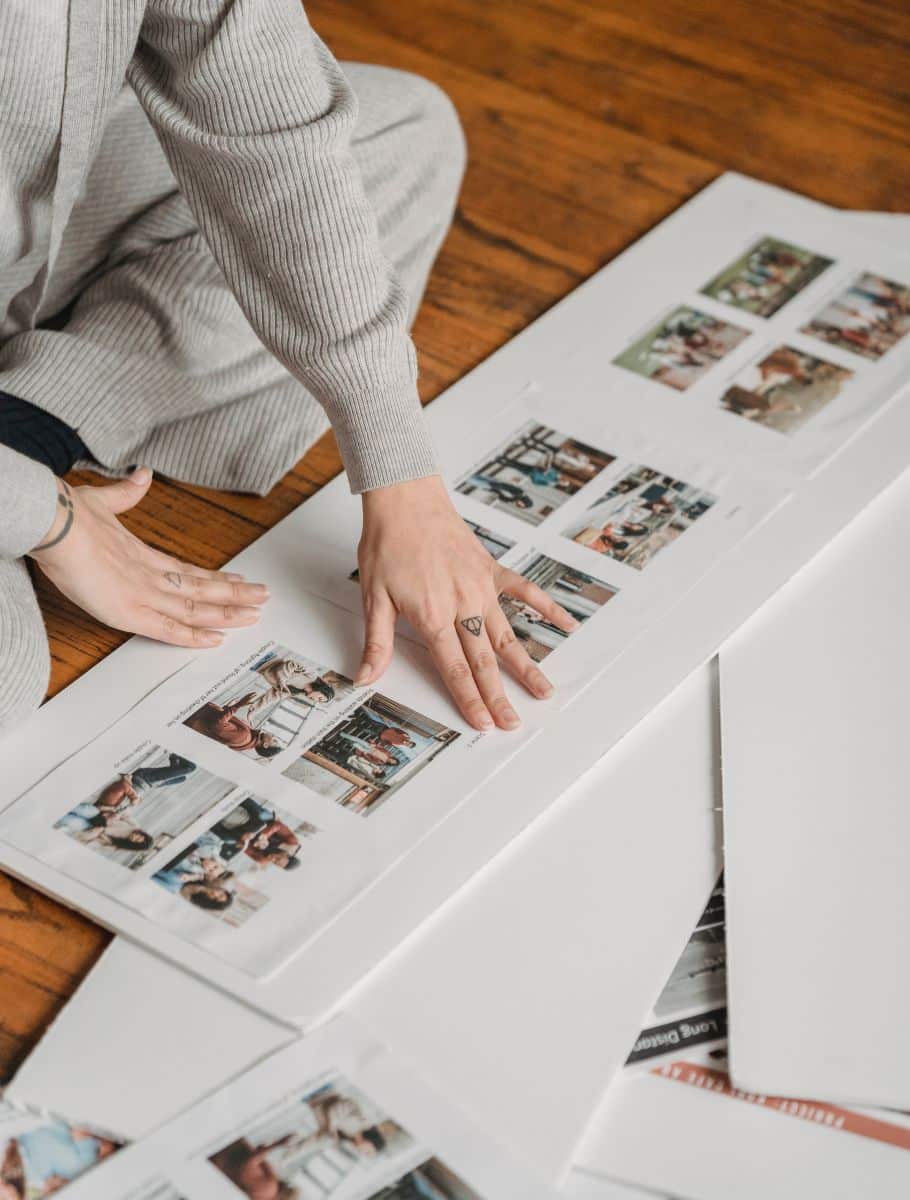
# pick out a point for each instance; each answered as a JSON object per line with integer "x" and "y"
{"x": 317, "y": 1144}
{"x": 141, "y": 809}
{"x": 264, "y": 707}
{"x": 639, "y": 516}
{"x": 681, "y": 348}
{"x": 376, "y": 747}
{"x": 229, "y": 869}
{"x": 533, "y": 473}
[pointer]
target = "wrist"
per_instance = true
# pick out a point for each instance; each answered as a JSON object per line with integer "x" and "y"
{"x": 426, "y": 490}
{"x": 64, "y": 514}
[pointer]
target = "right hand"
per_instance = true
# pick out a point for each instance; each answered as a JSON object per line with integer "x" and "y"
{"x": 116, "y": 578}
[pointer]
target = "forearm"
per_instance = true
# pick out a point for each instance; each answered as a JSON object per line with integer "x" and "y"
{"x": 28, "y": 503}
{"x": 256, "y": 118}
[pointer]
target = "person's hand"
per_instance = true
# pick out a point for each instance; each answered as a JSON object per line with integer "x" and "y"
{"x": 417, "y": 557}
{"x": 119, "y": 580}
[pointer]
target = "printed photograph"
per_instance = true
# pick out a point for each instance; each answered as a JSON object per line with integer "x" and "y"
{"x": 432, "y": 1180}
{"x": 42, "y": 1159}
{"x": 640, "y": 515}
{"x": 375, "y": 749}
{"x": 323, "y": 1142}
{"x": 534, "y": 473}
{"x": 580, "y": 594}
{"x": 263, "y": 708}
{"x": 869, "y": 318}
{"x": 682, "y": 348}
{"x": 229, "y": 870}
{"x": 143, "y": 808}
{"x": 785, "y": 389}
{"x": 768, "y": 275}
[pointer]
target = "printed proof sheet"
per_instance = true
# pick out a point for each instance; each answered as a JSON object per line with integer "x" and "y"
{"x": 331, "y": 1117}
{"x": 247, "y": 801}
{"x": 661, "y": 517}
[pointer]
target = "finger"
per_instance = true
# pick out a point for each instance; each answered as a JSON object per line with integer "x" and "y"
{"x": 167, "y": 562}
{"x": 211, "y": 591}
{"x": 449, "y": 657}
{"x": 515, "y": 658}
{"x": 485, "y": 669}
{"x": 163, "y": 628}
{"x": 378, "y": 637}
{"x": 520, "y": 588}
{"x": 190, "y": 611}
{"x": 125, "y": 493}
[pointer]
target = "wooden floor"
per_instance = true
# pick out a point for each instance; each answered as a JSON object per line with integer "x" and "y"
{"x": 588, "y": 121}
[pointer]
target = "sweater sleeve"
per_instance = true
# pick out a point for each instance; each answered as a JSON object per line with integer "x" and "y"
{"x": 255, "y": 117}
{"x": 28, "y": 500}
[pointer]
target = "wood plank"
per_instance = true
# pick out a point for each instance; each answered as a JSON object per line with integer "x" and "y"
{"x": 588, "y": 121}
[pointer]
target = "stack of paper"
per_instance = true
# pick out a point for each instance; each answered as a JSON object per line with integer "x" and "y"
{"x": 661, "y": 453}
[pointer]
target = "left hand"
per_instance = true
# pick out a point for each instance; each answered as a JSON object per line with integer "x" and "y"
{"x": 417, "y": 557}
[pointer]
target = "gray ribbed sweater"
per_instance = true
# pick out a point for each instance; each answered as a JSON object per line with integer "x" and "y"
{"x": 255, "y": 119}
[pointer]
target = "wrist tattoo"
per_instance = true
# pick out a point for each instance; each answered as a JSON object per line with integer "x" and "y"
{"x": 65, "y": 501}
{"x": 473, "y": 625}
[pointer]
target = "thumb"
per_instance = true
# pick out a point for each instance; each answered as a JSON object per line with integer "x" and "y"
{"x": 126, "y": 493}
{"x": 379, "y": 638}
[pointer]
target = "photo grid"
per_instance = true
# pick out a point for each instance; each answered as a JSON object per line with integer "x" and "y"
{"x": 784, "y": 389}
{"x": 139, "y": 810}
{"x": 680, "y": 349}
{"x": 579, "y": 593}
{"x": 315, "y": 1143}
{"x": 642, "y": 513}
{"x": 533, "y": 473}
{"x": 376, "y": 747}
{"x": 231, "y": 869}
{"x": 868, "y": 318}
{"x": 260, "y": 709}
{"x": 766, "y": 277}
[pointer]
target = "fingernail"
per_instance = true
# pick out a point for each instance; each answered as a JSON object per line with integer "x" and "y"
{"x": 251, "y": 615}
{"x": 362, "y": 677}
{"x": 543, "y": 688}
{"x": 140, "y": 476}
{"x": 486, "y": 722}
{"x": 261, "y": 590}
{"x": 572, "y": 624}
{"x": 510, "y": 718}
{"x": 215, "y": 639}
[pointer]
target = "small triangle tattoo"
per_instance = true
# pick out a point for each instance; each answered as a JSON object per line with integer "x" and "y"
{"x": 473, "y": 625}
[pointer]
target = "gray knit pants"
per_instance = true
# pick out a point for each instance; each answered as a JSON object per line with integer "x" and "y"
{"x": 410, "y": 150}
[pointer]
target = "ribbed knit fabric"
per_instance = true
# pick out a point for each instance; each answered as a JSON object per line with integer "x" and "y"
{"x": 280, "y": 232}
{"x": 24, "y": 657}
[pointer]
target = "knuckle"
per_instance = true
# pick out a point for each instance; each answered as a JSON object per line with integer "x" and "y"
{"x": 505, "y": 639}
{"x": 190, "y": 605}
{"x": 458, "y": 671}
{"x": 485, "y": 662}
{"x": 229, "y": 612}
{"x": 373, "y": 649}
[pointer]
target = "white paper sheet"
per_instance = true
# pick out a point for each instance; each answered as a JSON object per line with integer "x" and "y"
{"x": 519, "y": 953}
{"x": 816, "y": 762}
{"x": 688, "y": 634}
{"x": 332, "y": 1115}
{"x": 683, "y": 1046}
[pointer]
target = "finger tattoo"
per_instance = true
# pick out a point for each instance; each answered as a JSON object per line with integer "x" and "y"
{"x": 174, "y": 578}
{"x": 473, "y": 625}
